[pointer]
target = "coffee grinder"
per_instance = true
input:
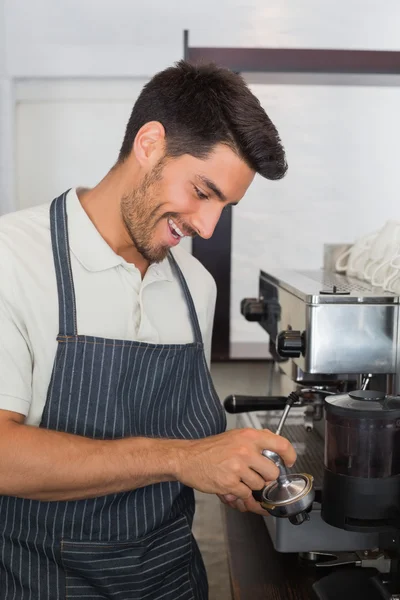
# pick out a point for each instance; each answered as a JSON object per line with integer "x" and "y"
{"x": 361, "y": 491}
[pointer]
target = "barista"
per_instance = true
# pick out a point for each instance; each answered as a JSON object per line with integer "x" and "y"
{"x": 108, "y": 415}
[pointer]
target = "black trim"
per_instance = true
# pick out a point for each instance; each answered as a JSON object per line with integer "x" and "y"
{"x": 285, "y": 60}
{"x": 215, "y": 255}
{"x": 186, "y": 44}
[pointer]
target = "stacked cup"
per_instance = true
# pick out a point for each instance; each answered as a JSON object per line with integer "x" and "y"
{"x": 384, "y": 249}
{"x": 352, "y": 261}
{"x": 375, "y": 258}
{"x": 392, "y": 281}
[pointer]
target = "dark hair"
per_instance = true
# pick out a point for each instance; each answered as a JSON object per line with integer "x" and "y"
{"x": 200, "y": 106}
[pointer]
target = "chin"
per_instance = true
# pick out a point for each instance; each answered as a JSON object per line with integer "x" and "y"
{"x": 155, "y": 255}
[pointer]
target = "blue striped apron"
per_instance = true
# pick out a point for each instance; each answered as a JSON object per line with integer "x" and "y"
{"x": 133, "y": 545}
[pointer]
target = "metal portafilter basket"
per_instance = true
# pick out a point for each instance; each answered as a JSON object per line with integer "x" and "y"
{"x": 291, "y": 495}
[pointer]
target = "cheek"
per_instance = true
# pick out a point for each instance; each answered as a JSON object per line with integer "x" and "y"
{"x": 178, "y": 198}
{"x": 160, "y": 230}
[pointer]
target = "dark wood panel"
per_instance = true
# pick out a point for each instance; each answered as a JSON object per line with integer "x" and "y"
{"x": 284, "y": 60}
{"x": 215, "y": 255}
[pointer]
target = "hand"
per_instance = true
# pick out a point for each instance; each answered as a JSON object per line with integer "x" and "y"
{"x": 249, "y": 505}
{"x": 232, "y": 463}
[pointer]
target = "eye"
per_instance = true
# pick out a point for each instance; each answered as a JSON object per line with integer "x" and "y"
{"x": 200, "y": 193}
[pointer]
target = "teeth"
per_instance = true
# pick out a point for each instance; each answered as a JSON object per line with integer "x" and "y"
{"x": 175, "y": 228}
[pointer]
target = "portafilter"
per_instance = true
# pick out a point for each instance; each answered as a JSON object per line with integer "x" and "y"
{"x": 291, "y": 495}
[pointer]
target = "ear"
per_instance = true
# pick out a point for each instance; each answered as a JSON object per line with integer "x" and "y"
{"x": 149, "y": 144}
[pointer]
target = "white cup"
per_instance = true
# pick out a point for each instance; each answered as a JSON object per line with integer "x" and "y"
{"x": 381, "y": 270}
{"x": 383, "y": 249}
{"x": 352, "y": 261}
{"x": 392, "y": 281}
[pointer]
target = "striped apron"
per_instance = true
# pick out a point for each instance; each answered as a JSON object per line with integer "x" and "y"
{"x": 133, "y": 545}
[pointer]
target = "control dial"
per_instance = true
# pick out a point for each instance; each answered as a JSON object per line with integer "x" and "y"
{"x": 290, "y": 344}
{"x": 254, "y": 309}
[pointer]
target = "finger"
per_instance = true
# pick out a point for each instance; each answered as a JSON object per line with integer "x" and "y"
{"x": 230, "y": 497}
{"x": 253, "y": 480}
{"x": 278, "y": 444}
{"x": 241, "y": 491}
{"x": 265, "y": 468}
{"x": 253, "y": 506}
{"x": 256, "y": 508}
{"x": 232, "y": 504}
{"x": 239, "y": 505}
{"x": 223, "y": 499}
{"x": 288, "y": 453}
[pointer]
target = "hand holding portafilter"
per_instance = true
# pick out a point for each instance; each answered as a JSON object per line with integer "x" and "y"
{"x": 290, "y": 496}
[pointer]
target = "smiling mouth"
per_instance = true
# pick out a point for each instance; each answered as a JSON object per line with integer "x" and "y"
{"x": 176, "y": 232}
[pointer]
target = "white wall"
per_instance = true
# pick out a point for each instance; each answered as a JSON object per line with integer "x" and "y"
{"x": 131, "y": 37}
{"x": 6, "y": 121}
{"x": 341, "y": 141}
{"x": 68, "y": 133}
{"x": 2, "y": 40}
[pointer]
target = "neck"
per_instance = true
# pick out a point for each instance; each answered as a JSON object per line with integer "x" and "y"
{"x": 102, "y": 205}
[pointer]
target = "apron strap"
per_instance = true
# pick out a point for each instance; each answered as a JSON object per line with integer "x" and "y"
{"x": 188, "y": 296}
{"x": 62, "y": 263}
{"x": 65, "y": 282}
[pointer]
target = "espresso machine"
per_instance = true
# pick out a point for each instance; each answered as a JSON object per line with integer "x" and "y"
{"x": 334, "y": 341}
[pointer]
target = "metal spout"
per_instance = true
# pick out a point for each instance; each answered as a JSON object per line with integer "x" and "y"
{"x": 299, "y": 518}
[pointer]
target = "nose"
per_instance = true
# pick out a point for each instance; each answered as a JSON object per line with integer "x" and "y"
{"x": 206, "y": 219}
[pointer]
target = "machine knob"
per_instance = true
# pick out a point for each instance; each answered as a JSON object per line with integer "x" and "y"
{"x": 254, "y": 309}
{"x": 290, "y": 344}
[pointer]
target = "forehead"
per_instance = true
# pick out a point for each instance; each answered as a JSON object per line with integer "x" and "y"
{"x": 223, "y": 167}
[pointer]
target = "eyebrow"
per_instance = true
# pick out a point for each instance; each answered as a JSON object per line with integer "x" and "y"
{"x": 214, "y": 188}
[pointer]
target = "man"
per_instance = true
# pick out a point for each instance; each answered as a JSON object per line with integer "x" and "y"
{"x": 108, "y": 415}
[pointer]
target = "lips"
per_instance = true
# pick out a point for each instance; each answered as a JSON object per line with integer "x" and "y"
{"x": 175, "y": 230}
{"x": 174, "y": 237}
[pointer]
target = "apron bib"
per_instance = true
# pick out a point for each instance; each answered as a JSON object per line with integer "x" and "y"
{"x": 131, "y": 545}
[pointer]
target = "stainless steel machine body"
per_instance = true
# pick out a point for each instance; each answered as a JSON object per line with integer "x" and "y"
{"x": 347, "y": 325}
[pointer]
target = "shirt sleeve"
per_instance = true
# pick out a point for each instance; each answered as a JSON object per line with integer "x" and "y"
{"x": 15, "y": 362}
{"x": 210, "y": 322}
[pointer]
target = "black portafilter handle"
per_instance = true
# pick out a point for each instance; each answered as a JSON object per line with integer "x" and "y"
{"x": 239, "y": 404}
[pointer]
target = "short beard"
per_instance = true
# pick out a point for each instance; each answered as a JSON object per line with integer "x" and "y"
{"x": 140, "y": 220}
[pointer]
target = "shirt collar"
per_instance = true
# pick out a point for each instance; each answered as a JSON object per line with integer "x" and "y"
{"x": 91, "y": 249}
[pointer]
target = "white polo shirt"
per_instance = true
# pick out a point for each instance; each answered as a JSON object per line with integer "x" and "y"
{"x": 112, "y": 300}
